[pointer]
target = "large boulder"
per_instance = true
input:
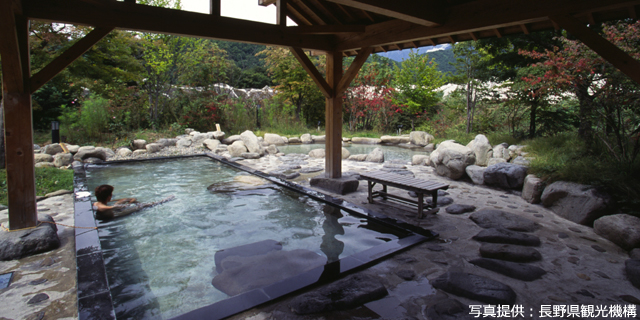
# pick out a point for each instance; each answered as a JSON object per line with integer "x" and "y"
{"x": 360, "y": 140}
{"x": 501, "y": 151}
{"x": 153, "y": 147}
{"x": 73, "y": 149}
{"x": 482, "y": 148}
{"x": 211, "y": 144}
{"x": 294, "y": 140}
{"x": 345, "y": 153}
{"x": 27, "y": 242}
{"x": 53, "y": 149}
{"x": 218, "y": 135}
{"x": 270, "y": 138}
{"x": 251, "y": 142}
{"x": 167, "y": 142}
{"x": 184, "y": 143}
{"x": 317, "y": 153}
{"x": 138, "y": 144}
{"x": 451, "y": 159}
{"x": 621, "y": 229}
{"x": 198, "y": 138}
{"x": 42, "y": 157}
{"x": 420, "y": 138}
{"x": 420, "y": 160}
{"x": 375, "y": 156}
{"x": 306, "y": 138}
{"x": 124, "y": 152}
{"x": 576, "y": 202}
{"x": 395, "y": 139}
{"x": 231, "y": 139}
{"x": 357, "y": 157}
{"x": 532, "y": 189}
{"x": 237, "y": 148}
{"x": 91, "y": 152}
{"x": 272, "y": 149}
{"x": 476, "y": 173}
{"x": 505, "y": 175}
{"x": 62, "y": 159}
{"x": 319, "y": 139}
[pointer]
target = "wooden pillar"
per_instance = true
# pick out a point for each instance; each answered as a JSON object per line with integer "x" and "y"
{"x": 21, "y": 184}
{"x": 333, "y": 120}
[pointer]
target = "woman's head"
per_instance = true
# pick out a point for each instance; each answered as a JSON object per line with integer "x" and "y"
{"x": 103, "y": 192}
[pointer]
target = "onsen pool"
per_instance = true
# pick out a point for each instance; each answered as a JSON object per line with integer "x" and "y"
{"x": 227, "y": 234}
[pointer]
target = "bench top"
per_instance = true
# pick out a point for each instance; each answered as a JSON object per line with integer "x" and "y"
{"x": 404, "y": 182}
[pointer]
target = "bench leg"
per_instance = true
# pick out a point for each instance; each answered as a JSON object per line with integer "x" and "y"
{"x": 420, "y": 205}
{"x": 434, "y": 197}
{"x": 384, "y": 189}
{"x": 370, "y": 190}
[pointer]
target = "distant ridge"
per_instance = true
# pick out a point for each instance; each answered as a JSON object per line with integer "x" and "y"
{"x": 441, "y": 53}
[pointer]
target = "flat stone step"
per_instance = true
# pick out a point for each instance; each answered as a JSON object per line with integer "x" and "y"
{"x": 475, "y": 287}
{"x": 501, "y": 235}
{"x": 509, "y": 252}
{"x": 520, "y": 271}
{"x": 489, "y": 218}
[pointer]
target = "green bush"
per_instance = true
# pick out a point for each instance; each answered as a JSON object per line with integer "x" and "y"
{"x": 47, "y": 180}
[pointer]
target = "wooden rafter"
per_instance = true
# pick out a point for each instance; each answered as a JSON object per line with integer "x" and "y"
{"x": 353, "y": 70}
{"x": 450, "y": 37}
{"x": 154, "y": 19}
{"x": 214, "y": 8}
{"x": 321, "y": 7}
{"x": 312, "y": 71}
{"x": 524, "y": 28}
{"x": 414, "y": 44}
{"x": 281, "y": 13}
{"x": 427, "y": 13}
{"x": 304, "y": 7}
{"x": 473, "y": 36}
{"x": 296, "y": 16}
{"x": 67, "y": 57}
{"x": 497, "y": 32}
{"x": 327, "y": 29}
{"x": 621, "y": 60}
{"x": 632, "y": 12}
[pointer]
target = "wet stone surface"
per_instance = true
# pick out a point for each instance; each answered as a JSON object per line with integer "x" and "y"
{"x": 521, "y": 271}
{"x": 500, "y": 235}
{"x": 563, "y": 235}
{"x": 598, "y": 248}
{"x": 475, "y": 287}
{"x": 509, "y": 252}
{"x": 460, "y": 208}
{"x": 406, "y": 274}
{"x": 489, "y": 218}
{"x": 38, "y": 298}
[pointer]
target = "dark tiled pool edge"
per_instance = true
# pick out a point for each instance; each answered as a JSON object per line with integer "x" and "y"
{"x": 94, "y": 297}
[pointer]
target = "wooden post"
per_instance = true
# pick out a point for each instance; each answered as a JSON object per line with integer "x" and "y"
{"x": 333, "y": 120}
{"x": 21, "y": 183}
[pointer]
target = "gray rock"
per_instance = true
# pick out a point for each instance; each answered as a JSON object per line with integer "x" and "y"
{"x": 42, "y": 157}
{"x": 211, "y": 144}
{"x": 500, "y": 235}
{"x": 138, "y": 152}
{"x": 394, "y": 139}
{"x": 242, "y": 274}
{"x": 634, "y": 253}
{"x": 449, "y": 309}
{"x": 632, "y": 269}
{"x": 252, "y": 249}
{"x": 44, "y": 165}
{"x": 621, "y": 229}
{"x": 375, "y": 156}
{"x": 138, "y": 144}
{"x": 218, "y": 135}
{"x": 272, "y": 149}
{"x": 489, "y": 218}
{"x": 406, "y": 274}
{"x": 38, "y": 298}
{"x": 319, "y": 139}
{"x": 505, "y": 175}
{"x": 345, "y": 153}
{"x": 357, "y": 157}
{"x": 476, "y": 173}
{"x": 83, "y": 154}
{"x": 347, "y": 293}
{"x": 501, "y": 151}
{"x": 361, "y": 140}
{"x": 576, "y": 202}
{"x": 522, "y": 161}
{"x": 123, "y": 152}
{"x": 532, "y": 189}
{"x": 343, "y": 185}
{"x": 294, "y": 140}
{"x": 153, "y": 147}
{"x": 521, "y": 271}
{"x": 475, "y": 287}
{"x": 250, "y": 155}
{"x": 493, "y": 161}
{"x": 509, "y": 252}
{"x": 23, "y": 243}
{"x": 36, "y": 147}
{"x": 420, "y": 138}
{"x": 53, "y": 149}
{"x": 184, "y": 143}
{"x": 73, "y": 149}
{"x": 58, "y": 193}
{"x": 251, "y": 142}
{"x": 231, "y": 139}
{"x": 306, "y": 138}
{"x": 271, "y": 138}
{"x": 62, "y": 159}
{"x": 460, "y": 208}
{"x": 420, "y": 159}
{"x": 311, "y": 169}
{"x": 317, "y": 153}
{"x": 167, "y": 142}
{"x": 482, "y": 149}
{"x": 450, "y": 159}
{"x": 237, "y": 148}
{"x": 198, "y": 138}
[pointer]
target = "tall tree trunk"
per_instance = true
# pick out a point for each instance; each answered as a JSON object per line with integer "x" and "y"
{"x": 585, "y": 113}
{"x": 532, "y": 118}
{"x": 2, "y": 159}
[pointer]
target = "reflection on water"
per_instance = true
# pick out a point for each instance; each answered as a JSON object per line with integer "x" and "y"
{"x": 390, "y": 152}
{"x": 160, "y": 261}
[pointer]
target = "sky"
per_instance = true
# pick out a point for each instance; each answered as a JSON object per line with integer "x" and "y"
{"x": 240, "y": 9}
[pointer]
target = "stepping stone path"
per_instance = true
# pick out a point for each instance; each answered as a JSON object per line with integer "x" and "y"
{"x": 509, "y": 252}
{"x": 489, "y": 218}
{"x": 500, "y": 235}
{"x": 521, "y": 271}
{"x": 475, "y": 287}
{"x": 460, "y": 208}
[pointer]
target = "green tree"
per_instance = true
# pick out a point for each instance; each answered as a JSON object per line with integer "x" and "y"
{"x": 416, "y": 82}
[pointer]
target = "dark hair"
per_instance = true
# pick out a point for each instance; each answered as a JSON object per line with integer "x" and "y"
{"x": 103, "y": 192}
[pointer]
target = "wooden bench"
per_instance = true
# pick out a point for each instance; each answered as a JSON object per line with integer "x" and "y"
{"x": 420, "y": 187}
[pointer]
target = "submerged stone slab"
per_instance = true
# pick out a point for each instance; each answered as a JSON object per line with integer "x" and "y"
{"x": 459, "y": 208}
{"x": 449, "y": 309}
{"x": 242, "y": 274}
{"x": 501, "y": 235}
{"x": 252, "y": 249}
{"x": 475, "y": 287}
{"x": 509, "y": 252}
{"x": 341, "y": 185}
{"x": 521, "y": 271}
{"x": 632, "y": 269}
{"x": 344, "y": 294}
{"x": 489, "y": 218}
{"x": 23, "y": 243}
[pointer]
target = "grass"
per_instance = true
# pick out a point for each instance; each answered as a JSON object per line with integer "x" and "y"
{"x": 47, "y": 180}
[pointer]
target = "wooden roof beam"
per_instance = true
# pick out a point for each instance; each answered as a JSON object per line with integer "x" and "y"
{"x": 497, "y": 32}
{"x": 353, "y": 70}
{"x": 474, "y": 36}
{"x": 426, "y": 13}
{"x": 214, "y": 7}
{"x": 414, "y": 44}
{"x": 12, "y": 75}
{"x": 633, "y": 14}
{"x": 327, "y": 29}
{"x": 311, "y": 69}
{"x": 281, "y": 12}
{"x": 610, "y": 52}
{"x": 524, "y": 28}
{"x": 154, "y": 19}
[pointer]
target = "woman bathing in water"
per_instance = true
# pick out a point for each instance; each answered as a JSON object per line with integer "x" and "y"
{"x": 122, "y": 207}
